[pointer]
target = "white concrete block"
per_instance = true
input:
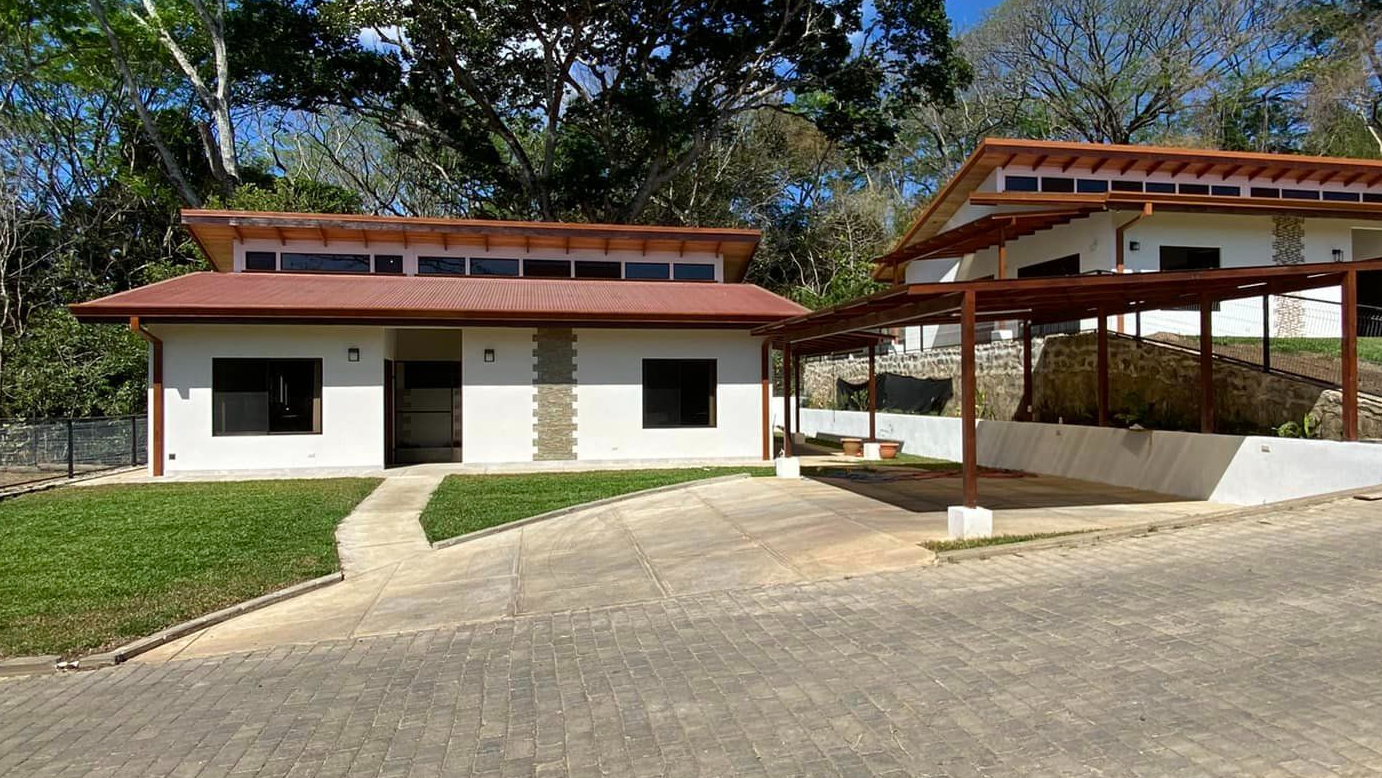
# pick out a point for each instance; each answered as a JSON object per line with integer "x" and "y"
{"x": 966, "y": 523}
{"x": 798, "y": 438}
{"x": 788, "y": 467}
{"x": 873, "y": 451}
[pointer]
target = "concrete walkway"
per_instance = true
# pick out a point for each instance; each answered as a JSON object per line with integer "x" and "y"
{"x": 731, "y": 535}
{"x": 384, "y": 528}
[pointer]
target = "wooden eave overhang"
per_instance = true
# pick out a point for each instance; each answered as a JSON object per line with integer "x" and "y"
{"x": 216, "y": 232}
{"x": 1051, "y": 300}
{"x": 986, "y": 232}
{"x": 1207, "y": 165}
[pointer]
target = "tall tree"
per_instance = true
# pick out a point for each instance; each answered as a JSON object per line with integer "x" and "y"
{"x": 588, "y": 110}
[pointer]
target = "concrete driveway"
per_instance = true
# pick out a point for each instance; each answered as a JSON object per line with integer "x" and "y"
{"x": 712, "y": 537}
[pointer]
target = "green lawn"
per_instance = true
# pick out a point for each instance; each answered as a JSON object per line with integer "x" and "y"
{"x": 84, "y": 568}
{"x": 468, "y": 503}
{"x": 1369, "y": 349}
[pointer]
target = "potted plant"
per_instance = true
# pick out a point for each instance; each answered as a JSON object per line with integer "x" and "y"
{"x": 888, "y": 448}
{"x": 852, "y": 447}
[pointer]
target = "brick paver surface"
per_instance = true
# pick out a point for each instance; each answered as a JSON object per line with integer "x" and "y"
{"x": 1247, "y": 648}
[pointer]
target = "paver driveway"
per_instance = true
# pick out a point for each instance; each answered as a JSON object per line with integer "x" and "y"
{"x": 1241, "y": 648}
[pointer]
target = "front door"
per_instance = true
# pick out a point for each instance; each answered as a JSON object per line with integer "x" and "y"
{"x": 426, "y": 411}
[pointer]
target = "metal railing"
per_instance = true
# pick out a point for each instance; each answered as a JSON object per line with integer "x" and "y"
{"x": 36, "y": 450}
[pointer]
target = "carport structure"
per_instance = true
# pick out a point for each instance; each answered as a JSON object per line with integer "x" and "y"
{"x": 1037, "y": 301}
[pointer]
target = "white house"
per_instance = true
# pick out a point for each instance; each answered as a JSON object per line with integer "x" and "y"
{"x": 1020, "y": 208}
{"x": 354, "y": 342}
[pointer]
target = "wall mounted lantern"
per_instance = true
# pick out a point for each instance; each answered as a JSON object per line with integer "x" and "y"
{"x": 352, "y": 354}
{"x": 1338, "y": 255}
{"x": 489, "y": 355}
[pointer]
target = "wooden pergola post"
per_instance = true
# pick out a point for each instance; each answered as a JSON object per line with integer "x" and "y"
{"x": 1348, "y": 348}
{"x": 1025, "y": 412}
{"x": 796, "y": 382}
{"x": 767, "y": 382}
{"x": 1101, "y": 369}
{"x": 786, "y": 398}
{"x": 1206, "y": 365}
{"x": 968, "y": 444}
{"x": 873, "y": 396}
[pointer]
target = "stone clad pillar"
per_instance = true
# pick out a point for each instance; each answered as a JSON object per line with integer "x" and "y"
{"x": 554, "y": 378}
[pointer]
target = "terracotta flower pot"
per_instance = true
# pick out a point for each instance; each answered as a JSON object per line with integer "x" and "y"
{"x": 888, "y": 449}
{"x": 853, "y": 447}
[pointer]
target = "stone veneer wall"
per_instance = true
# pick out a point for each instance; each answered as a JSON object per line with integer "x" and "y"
{"x": 1288, "y": 248}
{"x": 1160, "y": 384}
{"x": 554, "y": 377}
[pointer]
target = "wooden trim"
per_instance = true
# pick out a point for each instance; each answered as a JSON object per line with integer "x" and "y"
{"x": 1025, "y": 410}
{"x": 969, "y": 458}
{"x": 873, "y": 396}
{"x": 786, "y": 399}
{"x": 1101, "y": 368}
{"x": 796, "y": 384}
{"x": 1206, "y": 365}
{"x": 1348, "y": 343}
{"x": 156, "y": 394}
{"x": 766, "y": 380}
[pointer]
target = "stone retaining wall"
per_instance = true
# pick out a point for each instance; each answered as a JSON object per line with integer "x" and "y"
{"x": 1156, "y": 386}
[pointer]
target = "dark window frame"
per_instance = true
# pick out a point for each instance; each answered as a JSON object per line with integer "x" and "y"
{"x": 435, "y": 261}
{"x": 356, "y": 259}
{"x": 679, "y": 267}
{"x": 268, "y": 366}
{"x": 1023, "y": 184}
{"x": 272, "y": 257}
{"x": 1226, "y": 190}
{"x": 1061, "y": 184}
{"x": 666, "y": 266}
{"x": 710, "y": 368}
{"x": 598, "y": 269}
{"x": 537, "y": 264}
{"x": 1160, "y": 187}
{"x": 391, "y": 258}
{"x": 481, "y": 262}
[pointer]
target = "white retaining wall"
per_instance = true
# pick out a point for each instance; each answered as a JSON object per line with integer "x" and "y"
{"x": 1233, "y": 469}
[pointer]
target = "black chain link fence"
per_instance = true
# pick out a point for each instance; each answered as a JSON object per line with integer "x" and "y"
{"x": 44, "y": 449}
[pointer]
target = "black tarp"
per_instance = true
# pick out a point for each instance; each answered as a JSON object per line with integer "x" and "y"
{"x": 897, "y": 394}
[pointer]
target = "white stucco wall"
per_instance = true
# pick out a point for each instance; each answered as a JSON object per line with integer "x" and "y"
{"x": 609, "y": 394}
{"x": 352, "y": 397}
{"x": 1233, "y": 469}
{"x": 497, "y": 398}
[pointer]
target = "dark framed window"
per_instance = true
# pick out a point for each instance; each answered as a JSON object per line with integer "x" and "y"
{"x": 1194, "y": 189}
{"x": 1301, "y": 194}
{"x": 1161, "y": 187}
{"x": 678, "y": 393}
{"x": 1341, "y": 197}
{"x": 1061, "y": 266}
{"x": 1091, "y": 185}
{"x": 325, "y": 263}
{"x": 388, "y": 263}
{"x": 1223, "y": 190}
{"x": 598, "y": 269}
{"x": 1264, "y": 191}
{"x": 1057, "y": 184}
{"x": 1127, "y": 186}
{"x": 441, "y": 266}
{"x": 1189, "y": 258}
{"x": 685, "y": 271}
{"x": 484, "y": 266}
{"x": 261, "y": 260}
{"x": 652, "y": 271}
{"x": 1372, "y": 197}
{"x": 546, "y": 268}
{"x": 1020, "y": 183}
{"x": 266, "y": 396}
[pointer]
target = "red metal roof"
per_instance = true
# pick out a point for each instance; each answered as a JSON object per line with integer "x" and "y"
{"x": 439, "y": 300}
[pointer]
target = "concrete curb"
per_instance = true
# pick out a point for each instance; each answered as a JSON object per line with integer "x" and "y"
{"x": 15, "y": 667}
{"x": 558, "y": 513}
{"x": 137, "y": 647}
{"x": 1098, "y": 536}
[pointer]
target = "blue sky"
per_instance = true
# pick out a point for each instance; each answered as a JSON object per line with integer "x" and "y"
{"x": 965, "y": 13}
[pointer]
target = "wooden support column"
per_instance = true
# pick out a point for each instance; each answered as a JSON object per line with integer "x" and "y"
{"x": 767, "y": 381}
{"x": 873, "y": 397}
{"x": 155, "y": 394}
{"x": 969, "y": 447}
{"x": 1266, "y": 334}
{"x": 1025, "y": 412}
{"x": 796, "y": 382}
{"x": 1002, "y": 254}
{"x": 1101, "y": 369}
{"x": 1206, "y": 365}
{"x": 1348, "y": 352}
{"x": 786, "y": 398}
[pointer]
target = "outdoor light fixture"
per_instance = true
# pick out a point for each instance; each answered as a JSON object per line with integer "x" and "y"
{"x": 1338, "y": 255}
{"x": 1134, "y": 245}
{"x": 353, "y": 354}
{"x": 489, "y": 355}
